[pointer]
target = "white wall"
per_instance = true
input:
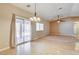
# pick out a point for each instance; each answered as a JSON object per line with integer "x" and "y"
{"x": 66, "y": 28}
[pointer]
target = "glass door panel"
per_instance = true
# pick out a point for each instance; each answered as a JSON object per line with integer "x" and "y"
{"x": 19, "y": 31}
{"x": 27, "y": 30}
{"x": 23, "y": 31}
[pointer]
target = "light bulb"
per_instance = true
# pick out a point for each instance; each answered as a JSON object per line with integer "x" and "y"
{"x": 58, "y": 21}
{"x": 31, "y": 19}
{"x": 34, "y": 18}
{"x": 38, "y": 19}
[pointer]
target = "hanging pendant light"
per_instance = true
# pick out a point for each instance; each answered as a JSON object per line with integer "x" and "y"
{"x": 59, "y": 18}
{"x": 35, "y": 17}
{"x": 58, "y": 21}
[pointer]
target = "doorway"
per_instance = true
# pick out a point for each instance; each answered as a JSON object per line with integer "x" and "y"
{"x": 23, "y": 31}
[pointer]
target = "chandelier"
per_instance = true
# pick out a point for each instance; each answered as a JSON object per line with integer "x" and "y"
{"x": 35, "y": 17}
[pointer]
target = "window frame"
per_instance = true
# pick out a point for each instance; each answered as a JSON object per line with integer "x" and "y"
{"x": 39, "y": 26}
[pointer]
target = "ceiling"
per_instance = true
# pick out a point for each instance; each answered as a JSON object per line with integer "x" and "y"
{"x": 50, "y": 10}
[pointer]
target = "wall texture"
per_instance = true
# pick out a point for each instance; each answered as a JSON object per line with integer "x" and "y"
{"x": 6, "y": 11}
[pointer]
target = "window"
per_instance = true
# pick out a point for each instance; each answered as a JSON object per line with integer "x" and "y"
{"x": 39, "y": 26}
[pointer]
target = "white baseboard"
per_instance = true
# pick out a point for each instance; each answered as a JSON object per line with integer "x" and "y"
{"x": 3, "y": 49}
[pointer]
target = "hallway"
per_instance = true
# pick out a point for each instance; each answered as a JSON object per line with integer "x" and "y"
{"x": 54, "y": 45}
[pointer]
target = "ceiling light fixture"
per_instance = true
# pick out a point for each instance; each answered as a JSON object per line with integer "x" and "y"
{"x": 35, "y": 17}
{"x": 59, "y": 18}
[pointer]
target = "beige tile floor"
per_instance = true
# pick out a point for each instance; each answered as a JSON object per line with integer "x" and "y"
{"x": 50, "y": 45}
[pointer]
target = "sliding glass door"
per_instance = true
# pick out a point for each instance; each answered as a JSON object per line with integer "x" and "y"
{"x": 23, "y": 31}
